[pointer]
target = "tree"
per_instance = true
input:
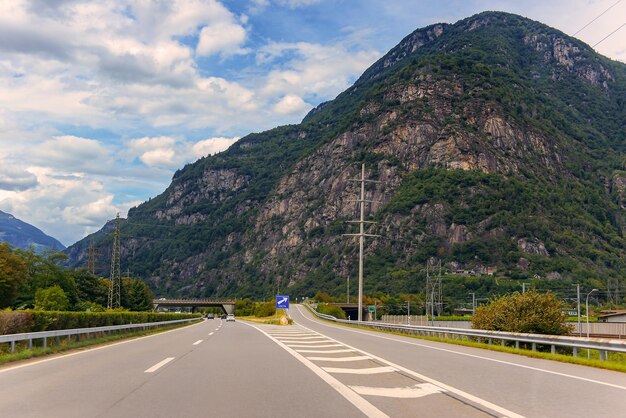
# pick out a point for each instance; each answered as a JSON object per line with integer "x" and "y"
{"x": 90, "y": 288}
{"x": 139, "y": 296}
{"x": 44, "y": 271}
{"x": 51, "y": 299}
{"x": 13, "y": 273}
{"x": 529, "y": 312}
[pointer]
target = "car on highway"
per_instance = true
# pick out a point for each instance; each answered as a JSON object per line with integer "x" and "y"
{"x": 210, "y": 316}
{"x": 230, "y": 317}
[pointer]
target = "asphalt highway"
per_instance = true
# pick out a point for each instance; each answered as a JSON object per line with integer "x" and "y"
{"x": 311, "y": 369}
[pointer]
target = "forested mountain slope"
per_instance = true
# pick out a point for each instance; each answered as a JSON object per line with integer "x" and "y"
{"x": 498, "y": 144}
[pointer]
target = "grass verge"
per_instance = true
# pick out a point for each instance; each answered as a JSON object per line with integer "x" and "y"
{"x": 65, "y": 345}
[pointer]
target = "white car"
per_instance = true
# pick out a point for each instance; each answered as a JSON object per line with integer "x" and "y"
{"x": 230, "y": 317}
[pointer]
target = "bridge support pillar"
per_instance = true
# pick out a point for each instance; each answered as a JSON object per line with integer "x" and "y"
{"x": 228, "y": 308}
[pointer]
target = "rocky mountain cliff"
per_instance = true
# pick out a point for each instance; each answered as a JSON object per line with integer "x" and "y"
{"x": 23, "y": 235}
{"x": 497, "y": 144}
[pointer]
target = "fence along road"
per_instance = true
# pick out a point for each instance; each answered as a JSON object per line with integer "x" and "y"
{"x": 525, "y": 386}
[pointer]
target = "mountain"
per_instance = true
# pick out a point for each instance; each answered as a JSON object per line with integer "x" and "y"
{"x": 22, "y": 235}
{"x": 497, "y": 144}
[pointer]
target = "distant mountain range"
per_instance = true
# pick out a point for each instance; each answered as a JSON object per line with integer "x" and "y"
{"x": 498, "y": 147}
{"x": 22, "y": 235}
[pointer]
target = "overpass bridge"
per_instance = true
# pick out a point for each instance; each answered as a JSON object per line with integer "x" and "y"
{"x": 227, "y": 305}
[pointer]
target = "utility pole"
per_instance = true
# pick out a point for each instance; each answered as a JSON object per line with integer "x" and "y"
{"x": 524, "y": 287}
{"x": 362, "y": 234}
{"x": 348, "y": 291}
{"x": 115, "y": 289}
{"x": 473, "y": 303}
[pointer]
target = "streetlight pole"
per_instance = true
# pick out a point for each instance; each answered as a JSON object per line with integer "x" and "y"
{"x": 473, "y": 303}
{"x": 408, "y": 312}
{"x": 580, "y": 331}
{"x": 587, "y": 306}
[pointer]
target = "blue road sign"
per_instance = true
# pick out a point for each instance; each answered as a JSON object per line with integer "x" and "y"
{"x": 282, "y": 301}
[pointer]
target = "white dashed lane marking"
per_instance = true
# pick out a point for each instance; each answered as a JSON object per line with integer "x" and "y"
{"x": 159, "y": 365}
{"x": 198, "y": 342}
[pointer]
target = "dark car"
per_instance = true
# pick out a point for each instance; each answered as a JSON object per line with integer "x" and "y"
{"x": 223, "y": 316}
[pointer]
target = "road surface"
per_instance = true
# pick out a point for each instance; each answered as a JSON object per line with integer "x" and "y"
{"x": 311, "y": 369}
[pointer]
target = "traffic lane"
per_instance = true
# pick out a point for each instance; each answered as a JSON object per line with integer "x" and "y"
{"x": 524, "y": 385}
{"x": 242, "y": 373}
{"x": 87, "y": 382}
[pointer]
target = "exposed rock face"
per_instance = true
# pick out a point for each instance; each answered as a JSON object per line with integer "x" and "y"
{"x": 619, "y": 188}
{"x": 214, "y": 185}
{"x": 532, "y": 247}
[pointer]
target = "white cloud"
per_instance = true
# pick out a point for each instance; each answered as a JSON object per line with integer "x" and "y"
{"x": 225, "y": 38}
{"x": 14, "y": 178}
{"x": 73, "y": 154}
{"x": 319, "y": 70}
{"x": 212, "y": 146}
{"x": 291, "y": 104}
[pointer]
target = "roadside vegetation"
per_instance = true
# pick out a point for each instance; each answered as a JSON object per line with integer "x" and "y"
{"x": 29, "y": 280}
{"x": 22, "y": 352}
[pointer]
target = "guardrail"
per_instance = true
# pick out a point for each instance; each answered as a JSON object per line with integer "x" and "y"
{"x": 603, "y": 345}
{"x": 79, "y": 332}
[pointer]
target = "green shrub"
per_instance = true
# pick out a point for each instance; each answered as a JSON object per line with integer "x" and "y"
{"x": 51, "y": 299}
{"x": 529, "y": 312}
{"x": 264, "y": 309}
{"x": 335, "y": 311}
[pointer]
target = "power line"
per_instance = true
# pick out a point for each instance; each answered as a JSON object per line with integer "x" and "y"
{"x": 597, "y": 17}
{"x": 594, "y": 45}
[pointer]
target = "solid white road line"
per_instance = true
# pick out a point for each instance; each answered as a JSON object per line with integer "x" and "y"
{"x": 416, "y": 391}
{"x": 362, "y": 404}
{"x": 325, "y": 351}
{"x": 340, "y": 359}
{"x": 159, "y": 365}
{"x": 369, "y": 370}
{"x": 523, "y": 366}
{"x": 198, "y": 342}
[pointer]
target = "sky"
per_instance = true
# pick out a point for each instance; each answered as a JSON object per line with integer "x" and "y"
{"x": 102, "y": 101}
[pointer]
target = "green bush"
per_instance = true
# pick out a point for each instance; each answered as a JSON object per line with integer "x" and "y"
{"x": 51, "y": 299}
{"x": 529, "y": 312}
{"x": 264, "y": 309}
{"x": 335, "y": 311}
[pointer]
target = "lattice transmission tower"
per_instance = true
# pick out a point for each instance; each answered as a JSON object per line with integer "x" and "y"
{"x": 115, "y": 289}
{"x": 434, "y": 292}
